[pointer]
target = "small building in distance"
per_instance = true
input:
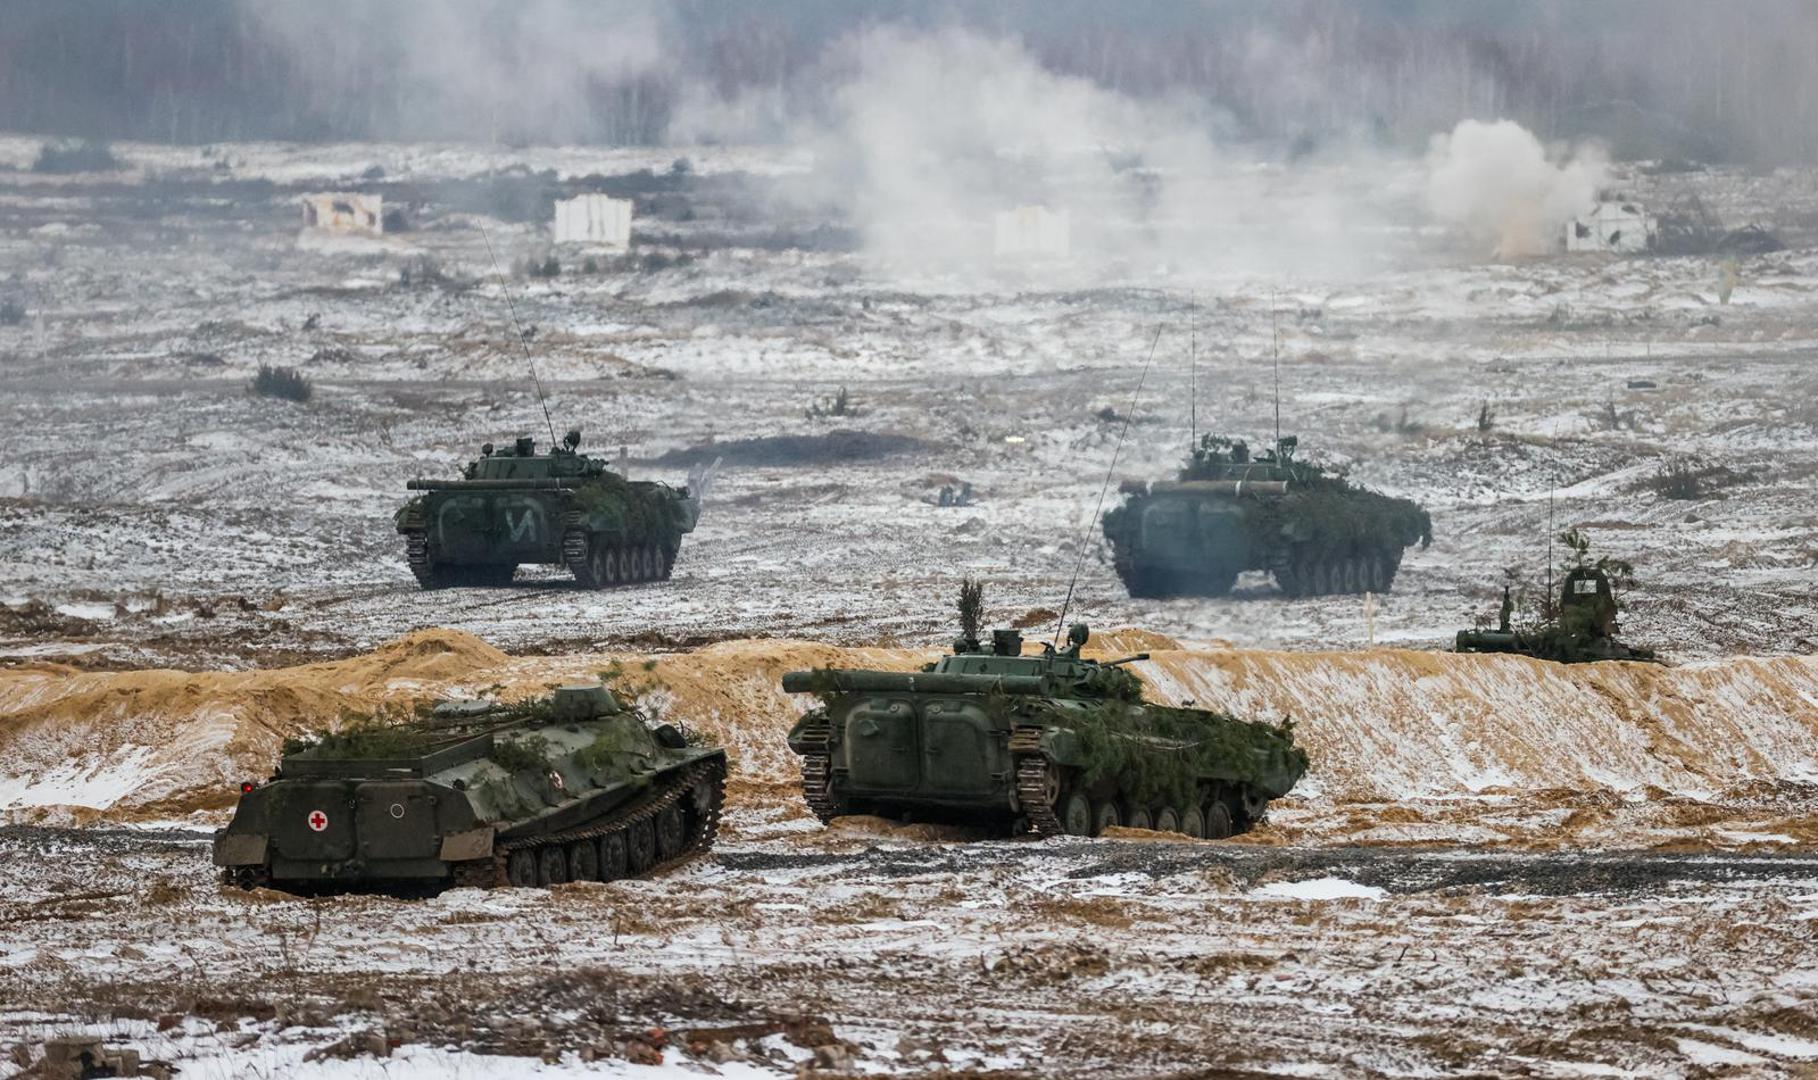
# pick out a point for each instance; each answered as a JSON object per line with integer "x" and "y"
{"x": 1613, "y": 226}
{"x": 345, "y": 212}
{"x": 593, "y": 219}
{"x": 1032, "y": 232}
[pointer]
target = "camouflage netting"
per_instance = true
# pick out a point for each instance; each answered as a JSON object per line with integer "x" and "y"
{"x": 394, "y": 732}
{"x": 517, "y": 755}
{"x": 643, "y": 512}
{"x": 1158, "y": 755}
{"x": 613, "y": 740}
{"x": 403, "y": 731}
{"x": 1338, "y": 516}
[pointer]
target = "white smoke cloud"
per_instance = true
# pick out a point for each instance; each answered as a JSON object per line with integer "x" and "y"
{"x": 922, "y": 136}
{"x": 468, "y": 69}
{"x": 1497, "y": 184}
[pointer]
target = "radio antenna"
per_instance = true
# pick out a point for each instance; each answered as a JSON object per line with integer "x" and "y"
{"x": 1549, "y": 597}
{"x": 1079, "y": 560}
{"x": 1275, "y": 333}
{"x": 1192, "y": 373}
{"x": 522, "y": 344}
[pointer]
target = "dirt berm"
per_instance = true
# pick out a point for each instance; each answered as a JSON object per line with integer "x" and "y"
{"x": 1491, "y": 747}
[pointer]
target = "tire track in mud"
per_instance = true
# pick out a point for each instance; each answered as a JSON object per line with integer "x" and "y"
{"x": 1399, "y": 871}
{"x": 1112, "y": 957}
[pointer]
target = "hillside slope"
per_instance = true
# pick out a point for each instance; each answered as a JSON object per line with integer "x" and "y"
{"x": 1406, "y": 746}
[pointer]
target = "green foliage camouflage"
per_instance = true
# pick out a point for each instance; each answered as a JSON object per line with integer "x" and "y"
{"x": 390, "y": 731}
{"x": 421, "y": 795}
{"x": 1323, "y": 508}
{"x": 513, "y": 506}
{"x": 609, "y": 497}
{"x": 612, "y": 742}
{"x": 1566, "y": 628}
{"x": 1229, "y": 511}
{"x": 517, "y": 755}
{"x": 1157, "y": 754}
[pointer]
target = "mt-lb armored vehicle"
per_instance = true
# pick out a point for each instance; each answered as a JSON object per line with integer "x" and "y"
{"x": 514, "y": 505}
{"x": 571, "y": 787}
{"x": 1054, "y": 744}
{"x": 1582, "y": 630}
{"x": 1316, "y": 532}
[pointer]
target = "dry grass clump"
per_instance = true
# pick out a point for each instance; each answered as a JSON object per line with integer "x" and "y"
{"x": 281, "y": 382}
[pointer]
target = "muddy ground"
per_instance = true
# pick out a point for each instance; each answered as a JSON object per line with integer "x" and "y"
{"x": 872, "y": 951}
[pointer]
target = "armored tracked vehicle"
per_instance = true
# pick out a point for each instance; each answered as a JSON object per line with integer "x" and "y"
{"x": 1583, "y": 629}
{"x": 1316, "y": 532}
{"x": 1050, "y": 743}
{"x": 514, "y": 505}
{"x": 571, "y": 787}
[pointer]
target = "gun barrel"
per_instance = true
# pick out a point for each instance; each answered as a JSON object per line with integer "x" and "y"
{"x": 1127, "y": 659}
{"x": 909, "y": 682}
{"x": 552, "y": 483}
{"x": 1234, "y": 488}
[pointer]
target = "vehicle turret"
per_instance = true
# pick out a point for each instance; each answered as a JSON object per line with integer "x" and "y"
{"x": 1230, "y": 510}
{"x": 1049, "y": 741}
{"x": 514, "y": 505}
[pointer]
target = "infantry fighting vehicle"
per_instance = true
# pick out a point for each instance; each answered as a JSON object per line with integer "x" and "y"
{"x": 574, "y": 786}
{"x": 1316, "y": 532}
{"x": 514, "y": 505}
{"x": 1052, "y": 743}
{"x": 1582, "y": 629}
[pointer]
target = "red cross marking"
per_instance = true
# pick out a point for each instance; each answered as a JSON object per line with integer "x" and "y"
{"x": 318, "y": 820}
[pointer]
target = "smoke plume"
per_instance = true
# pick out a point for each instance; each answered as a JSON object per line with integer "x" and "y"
{"x": 1497, "y": 184}
{"x": 478, "y": 70}
{"x": 921, "y": 136}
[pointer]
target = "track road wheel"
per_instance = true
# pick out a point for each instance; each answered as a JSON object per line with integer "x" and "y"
{"x": 583, "y": 861}
{"x": 1105, "y": 816}
{"x": 669, "y": 554}
{"x": 521, "y": 868}
{"x": 1076, "y": 815}
{"x": 1193, "y": 823}
{"x": 1167, "y": 819}
{"x": 1218, "y": 821}
{"x": 640, "y": 846}
{"x": 671, "y": 832}
{"x": 552, "y": 865}
{"x": 613, "y": 855}
{"x": 1137, "y": 816}
{"x": 584, "y": 555}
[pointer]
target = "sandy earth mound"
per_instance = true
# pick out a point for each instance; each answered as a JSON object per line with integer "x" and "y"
{"x": 1407, "y": 746}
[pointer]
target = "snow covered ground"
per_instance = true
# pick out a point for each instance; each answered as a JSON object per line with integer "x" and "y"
{"x": 857, "y": 950}
{"x": 151, "y": 511}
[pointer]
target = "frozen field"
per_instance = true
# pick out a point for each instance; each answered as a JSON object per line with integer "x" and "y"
{"x": 1459, "y": 886}
{"x": 865, "y": 953}
{"x": 152, "y": 512}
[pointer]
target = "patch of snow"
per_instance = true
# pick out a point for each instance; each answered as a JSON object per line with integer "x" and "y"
{"x": 1325, "y": 888}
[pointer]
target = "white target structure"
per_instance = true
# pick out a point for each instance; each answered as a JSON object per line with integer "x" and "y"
{"x": 596, "y": 220}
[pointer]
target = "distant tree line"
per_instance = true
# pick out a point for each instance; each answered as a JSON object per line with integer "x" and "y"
{"x": 1663, "y": 78}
